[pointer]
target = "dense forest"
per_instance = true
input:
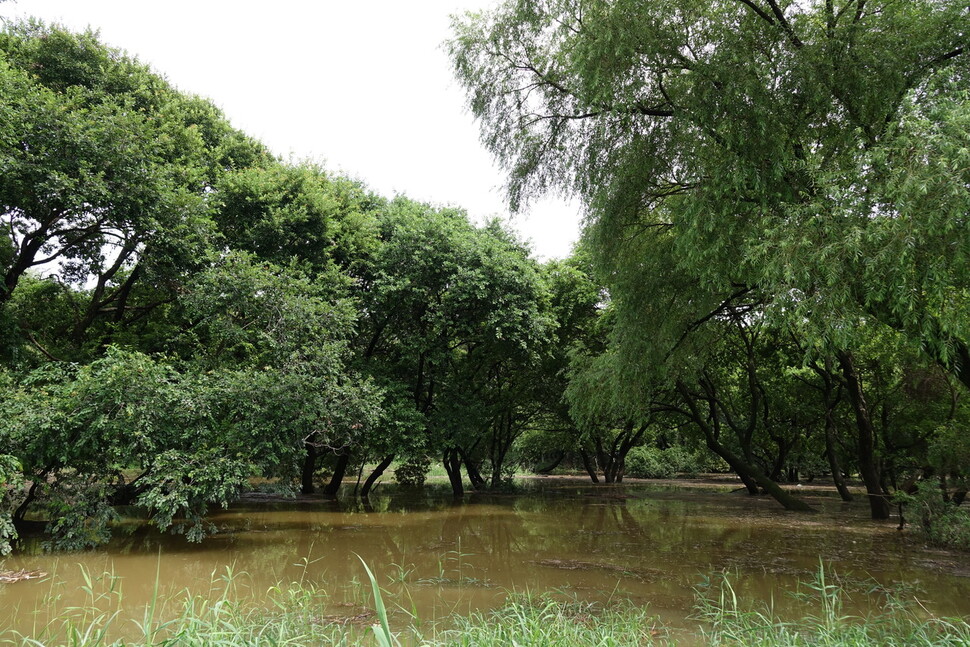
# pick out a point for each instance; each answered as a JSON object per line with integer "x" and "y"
{"x": 773, "y": 280}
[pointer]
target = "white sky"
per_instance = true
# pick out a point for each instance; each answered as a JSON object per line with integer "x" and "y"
{"x": 363, "y": 86}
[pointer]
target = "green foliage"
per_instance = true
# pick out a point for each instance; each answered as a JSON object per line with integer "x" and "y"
{"x": 949, "y": 451}
{"x": 767, "y": 184}
{"x": 80, "y": 514}
{"x": 107, "y": 186}
{"x": 11, "y": 485}
{"x": 733, "y": 144}
{"x": 413, "y": 471}
{"x": 649, "y": 463}
{"x": 185, "y": 485}
{"x": 253, "y": 313}
{"x": 454, "y": 320}
{"x": 655, "y": 463}
{"x": 937, "y": 516}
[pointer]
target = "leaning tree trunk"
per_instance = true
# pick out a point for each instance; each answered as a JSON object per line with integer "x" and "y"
{"x": 474, "y": 475}
{"x": 868, "y": 465}
{"x": 376, "y": 474}
{"x": 831, "y": 401}
{"x": 588, "y": 466}
{"x": 553, "y": 465}
{"x": 834, "y": 465}
{"x": 339, "y": 470}
{"x": 749, "y": 474}
{"x": 452, "y": 463}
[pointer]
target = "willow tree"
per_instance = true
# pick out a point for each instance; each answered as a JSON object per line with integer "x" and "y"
{"x": 816, "y": 151}
{"x": 807, "y": 159}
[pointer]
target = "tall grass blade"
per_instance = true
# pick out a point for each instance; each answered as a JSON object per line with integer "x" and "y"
{"x": 384, "y": 637}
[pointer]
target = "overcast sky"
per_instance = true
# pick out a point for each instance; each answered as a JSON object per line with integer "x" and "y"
{"x": 362, "y": 86}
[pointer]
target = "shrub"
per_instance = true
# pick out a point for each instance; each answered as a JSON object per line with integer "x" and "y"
{"x": 648, "y": 463}
{"x": 653, "y": 463}
{"x": 412, "y": 472}
{"x": 939, "y": 520}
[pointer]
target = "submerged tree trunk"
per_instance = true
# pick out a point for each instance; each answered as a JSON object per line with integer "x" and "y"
{"x": 339, "y": 470}
{"x": 831, "y": 398}
{"x": 589, "y": 467}
{"x": 376, "y": 474}
{"x": 504, "y": 434}
{"x": 474, "y": 475}
{"x": 834, "y": 465}
{"x": 452, "y": 463}
{"x": 309, "y": 467}
{"x": 612, "y": 459}
{"x": 868, "y": 463}
{"x": 749, "y": 473}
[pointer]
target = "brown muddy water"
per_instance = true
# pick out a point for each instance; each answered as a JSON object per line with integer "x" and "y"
{"x": 648, "y": 544}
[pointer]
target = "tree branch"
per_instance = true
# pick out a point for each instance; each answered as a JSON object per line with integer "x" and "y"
{"x": 780, "y": 15}
{"x": 758, "y": 10}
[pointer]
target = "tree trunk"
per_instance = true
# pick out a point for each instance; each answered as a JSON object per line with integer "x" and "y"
{"x": 834, "y": 465}
{"x": 778, "y": 471}
{"x": 749, "y": 474}
{"x": 588, "y": 465}
{"x": 309, "y": 467}
{"x": 602, "y": 460}
{"x": 831, "y": 401}
{"x": 475, "y": 476}
{"x": 376, "y": 474}
{"x": 626, "y": 443}
{"x": 339, "y": 470}
{"x": 452, "y": 463}
{"x": 868, "y": 464}
{"x": 553, "y": 465}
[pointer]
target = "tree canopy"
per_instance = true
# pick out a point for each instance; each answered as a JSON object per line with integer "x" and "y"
{"x": 813, "y": 154}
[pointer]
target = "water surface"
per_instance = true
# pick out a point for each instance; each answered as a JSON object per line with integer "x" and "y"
{"x": 639, "y": 542}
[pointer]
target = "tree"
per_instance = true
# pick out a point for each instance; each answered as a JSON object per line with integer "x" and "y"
{"x": 301, "y": 213}
{"x": 107, "y": 171}
{"x": 262, "y": 376}
{"x": 450, "y": 312}
{"x": 813, "y": 152}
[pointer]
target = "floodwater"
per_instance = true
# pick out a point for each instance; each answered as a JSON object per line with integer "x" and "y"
{"x": 651, "y": 545}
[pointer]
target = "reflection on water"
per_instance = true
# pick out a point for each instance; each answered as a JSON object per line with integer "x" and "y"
{"x": 653, "y": 546}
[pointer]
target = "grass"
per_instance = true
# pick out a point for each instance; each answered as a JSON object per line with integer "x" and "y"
{"x": 295, "y": 615}
{"x": 895, "y": 622}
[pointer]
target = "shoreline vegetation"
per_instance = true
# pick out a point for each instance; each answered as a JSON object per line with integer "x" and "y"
{"x": 297, "y": 614}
